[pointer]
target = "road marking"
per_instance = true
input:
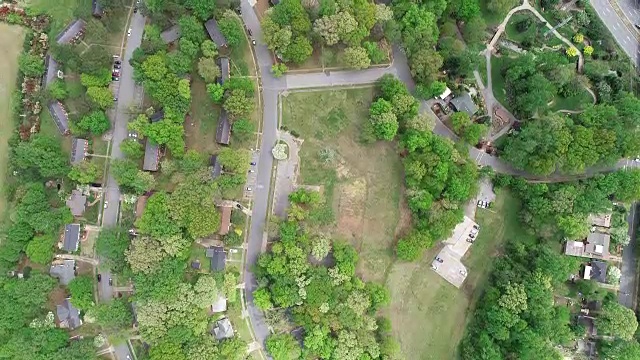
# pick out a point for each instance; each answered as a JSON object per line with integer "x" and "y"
{"x": 628, "y": 38}
{"x": 615, "y": 26}
{"x": 607, "y": 10}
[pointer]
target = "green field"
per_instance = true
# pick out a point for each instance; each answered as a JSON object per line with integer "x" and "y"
{"x": 11, "y": 39}
{"x": 362, "y": 184}
{"x": 512, "y": 32}
{"x": 578, "y": 102}
{"x": 61, "y": 11}
{"x": 498, "y": 64}
{"x": 428, "y": 314}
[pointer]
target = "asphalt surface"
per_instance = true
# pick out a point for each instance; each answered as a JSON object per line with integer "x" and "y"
{"x": 623, "y": 35}
{"x": 628, "y": 277}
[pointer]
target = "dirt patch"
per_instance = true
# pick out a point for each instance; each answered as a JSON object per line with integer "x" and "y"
{"x": 404, "y": 220}
{"x": 56, "y": 296}
{"x": 351, "y": 210}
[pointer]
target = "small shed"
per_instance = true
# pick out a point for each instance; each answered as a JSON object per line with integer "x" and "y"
{"x": 216, "y": 168}
{"x": 96, "y": 9}
{"x": 465, "y": 103}
{"x": 220, "y": 305}
{"x": 225, "y": 221}
{"x": 171, "y": 34}
{"x": 59, "y": 116}
{"x": 77, "y": 203}
{"x": 218, "y": 257}
{"x": 215, "y": 34}
{"x": 71, "y": 33}
{"x": 445, "y": 94}
{"x": 71, "y": 238}
{"x": 50, "y": 72}
{"x": 79, "y": 148}
{"x": 225, "y": 72}
{"x": 223, "y": 132}
{"x": 151, "y": 156}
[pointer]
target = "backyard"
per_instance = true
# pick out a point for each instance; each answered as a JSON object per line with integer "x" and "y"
{"x": 362, "y": 183}
{"x": 428, "y": 314}
{"x": 11, "y": 39}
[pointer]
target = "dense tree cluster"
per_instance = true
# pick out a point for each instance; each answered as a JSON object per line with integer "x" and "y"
{"x": 601, "y": 134}
{"x": 335, "y": 308}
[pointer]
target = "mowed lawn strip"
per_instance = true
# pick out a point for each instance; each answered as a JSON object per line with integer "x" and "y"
{"x": 11, "y": 39}
{"x": 429, "y": 315}
{"x": 362, "y": 183}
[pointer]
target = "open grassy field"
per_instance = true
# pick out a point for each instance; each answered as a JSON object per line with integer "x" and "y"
{"x": 498, "y": 64}
{"x": 512, "y": 31}
{"x": 362, "y": 184}
{"x": 428, "y": 314}
{"x": 577, "y": 102}
{"x": 11, "y": 39}
{"x": 61, "y": 11}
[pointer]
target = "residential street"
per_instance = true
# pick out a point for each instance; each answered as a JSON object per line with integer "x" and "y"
{"x": 628, "y": 279}
{"x": 616, "y": 25}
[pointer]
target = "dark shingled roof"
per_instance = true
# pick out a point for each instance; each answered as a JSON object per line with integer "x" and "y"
{"x": 68, "y": 315}
{"x": 223, "y": 62}
{"x": 59, "y": 115}
{"x": 97, "y": 9}
{"x": 215, "y": 34}
{"x": 51, "y": 69}
{"x": 171, "y": 34}
{"x": 599, "y": 271}
{"x": 223, "y": 133}
{"x": 78, "y": 150}
{"x": 70, "y": 32}
{"x": 65, "y": 271}
{"x": 216, "y": 167}
{"x": 218, "y": 257}
{"x": 71, "y": 237}
{"x": 151, "y": 156}
{"x": 157, "y": 116}
{"x": 465, "y": 103}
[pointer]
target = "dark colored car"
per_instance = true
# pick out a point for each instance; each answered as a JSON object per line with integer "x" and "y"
{"x": 110, "y": 281}
{"x": 115, "y": 78}
{"x": 637, "y": 26}
{"x": 135, "y": 10}
{"x": 117, "y": 66}
{"x": 252, "y": 163}
{"x": 99, "y": 277}
{"x": 118, "y": 62}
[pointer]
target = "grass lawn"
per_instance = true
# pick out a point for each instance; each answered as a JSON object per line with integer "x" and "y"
{"x": 201, "y": 136}
{"x": 363, "y": 183}
{"x": 61, "y": 11}
{"x": 11, "y": 39}
{"x": 498, "y": 64}
{"x": 514, "y": 34}
{"x": 428, "y": 314}
{"x": 491, "y": 18}
{"x": 198, "y": 253}
{"x": 578, "y": 102}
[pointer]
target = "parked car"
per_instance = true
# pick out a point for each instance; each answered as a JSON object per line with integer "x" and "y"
{"x": 637, "y": 26}
{"x": 253, "y": 163}
{"x": 239, "y": 206}
{"x": 99, "y": 276}
{"x": 249, "y": 188}
{"x": 117, "y": 66}
{"x": 118, "y": 62}
{"x": 129, "y": 32}
{"x": 110, "y": 281}
{"x": 106, "y": 204}
{"x": 115, "y": 78}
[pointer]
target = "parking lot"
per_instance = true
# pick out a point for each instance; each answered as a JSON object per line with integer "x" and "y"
{"x": 448, "y": 262}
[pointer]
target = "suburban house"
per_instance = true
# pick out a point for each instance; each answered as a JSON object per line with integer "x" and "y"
{"x": 50, "y": 72}
{"x": 60, "y": 116}
{"x": 225, "y": 222}
{"x": 223, "y": 329}
{"x": 71, "y": 238}
{"x": 77, "y": 203}
{"x": 223, "y": 63}
{"x": 68, "y": 316}
{"x": 96, "y": 9}
{"x": 64, "y": 270}
{"x": 216, "y": 168}
{"x": 223, "y": 132}
{"x": 218, "y": 257}
{"x": 220, "y": 305}
{"x": 171, "y": 34}
{"x": 595, "y": 246}
{"x": 214, "y": 33}
{"x": 72, "y": 32}
{"x": 600, "y": 220}
{"x": 596, "y": 270}
{"x": 79, "y": 148}
{"x": 465, "y": 103}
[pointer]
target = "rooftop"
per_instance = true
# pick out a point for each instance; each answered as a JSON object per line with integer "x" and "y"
{"x": 64, "y": 270}
{"x": 59, "y": 115}
{"x": 214, "y": 33}
{"x": 220, "y": 305}
{"x": 68, "y": 315}
{"x": 96, "y": 9}
{"x": 77, "y": 202}
{"x": 596, "y": 270}
{"x": 223, "y": 329}
{"x": 465, "y": 103}
{"x": 71, "y": 237}
{"x": 446, "y": 93}
{"x": 151, "y": 156}
{"x": 157, "y": 116}
{"x": 218, "y": 257}
{"x": 595, "y": 246}
{"x": 223, "y": 132}
{"x": 223, "y": 62}
{"x": 140, "y": 205}
{"x": 78, "y": 150}
{"x": 171, "y": 34}
{"x": 216, "y": 168}
{"x": 71, "y": 31}
{"x": 601, "y": 220}
{"x": 225, "y": 222}
{"x": 51, "y": 69}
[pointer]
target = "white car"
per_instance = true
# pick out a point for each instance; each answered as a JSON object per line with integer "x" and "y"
{"x": 106, "y": 204}
{"x": 129, "y": 32}
{"x": 249, "y": 188}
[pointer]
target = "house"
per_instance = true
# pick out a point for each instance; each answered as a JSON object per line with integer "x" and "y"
{"x": 220, "y": 305}
{"x": 79, "y": 149}
{"x": 71, "y": 237}
{"x": 223, "y": 132}
{"x": 225, "y": 222}
{"x": 151, "y": 156}
{"x": 600, "y": 220}
{"x": 64, "y": 270}
{"x": 216, "y": 167}
{"x": 60, "y": 116}
{"x": 96, "y": 9}
{"x": 223, "y": 329}
{"x": 596, "y": 246}
{"x": 77, "y": 203}
{"x": 465, "y": 103}
{"x": 171, "y": 34}
{"x": 72, "y": 32}
{"x": 596, "y": 270}
{"x": 223, "y": 63}
{"x": 68, "y": 315}
{"x": 215, "y": 34}
{"x": 51, "y": 69}
{"x": 218, "y": 257}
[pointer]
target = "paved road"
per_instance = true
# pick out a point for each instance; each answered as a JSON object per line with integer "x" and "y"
{"x": 616, "y": 25}
{"x": 628, "y": 278}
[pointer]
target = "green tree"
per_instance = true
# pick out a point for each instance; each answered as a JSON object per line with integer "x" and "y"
{"x": 31, "y": 65}
{"x": 620, "y": 350}
{"x": 101, "y": 96}
{"x": 278, "y": 69}
{"x": 58, "y": 90}
{"x": 191, "y": 29}
{"x": 42, "y": 154}
{"x": 283, "y": 347}
{"x": 216, "y": 92}
{"x": 85, "y": 172}
{"x": 262, "y": 299}
{"x": 132, "y": 149}
{"x": 236, "y": 161}
{"x": 193, "y": 208}
{"x": 231, "y": 28}
{"x": 208, "y": 69}
{"x": 617, "y": 320}
{"x": 385, "y": 126}
{"x": 95, "y": 123}
{"x": 425, "y": 65}
{"x": 114, "y": 315}
{"x": 209, "y": 49}
{"x": 356, "y": 58}
{"x": 298, "y": 51}
{"x": 111, "y": 245}
{"x": 81, "y": 289}
{"x": 501, "y": 7}
{"x": 130, "y": 178}
{"x": 99, "y": 79}
{"x": 40, "y": 249}
{"x": 243, "y": 129}
{"x": 238, "y": 104}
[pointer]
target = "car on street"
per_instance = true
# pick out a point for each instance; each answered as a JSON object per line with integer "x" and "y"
{"x": 239, "y": 206}
{"x": 117, "y": 66}
{"x": 129, "y": 32}
{"x": 99, "y": 276}
{"x": 637, "y": 26}
{"x": 110, "y": 281}
{"x": 253, "y": 41}
{"x": 117, "y": 62}
{"x": 115, "y": 99}
{"x": 115, "y": 78}
{"x": 253, "y": 163}
{"x": 251, "y": 171}
{"x": 106, "y": 204}
{"x": 135, "y": 10}
{"x": 248, "y": 188}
